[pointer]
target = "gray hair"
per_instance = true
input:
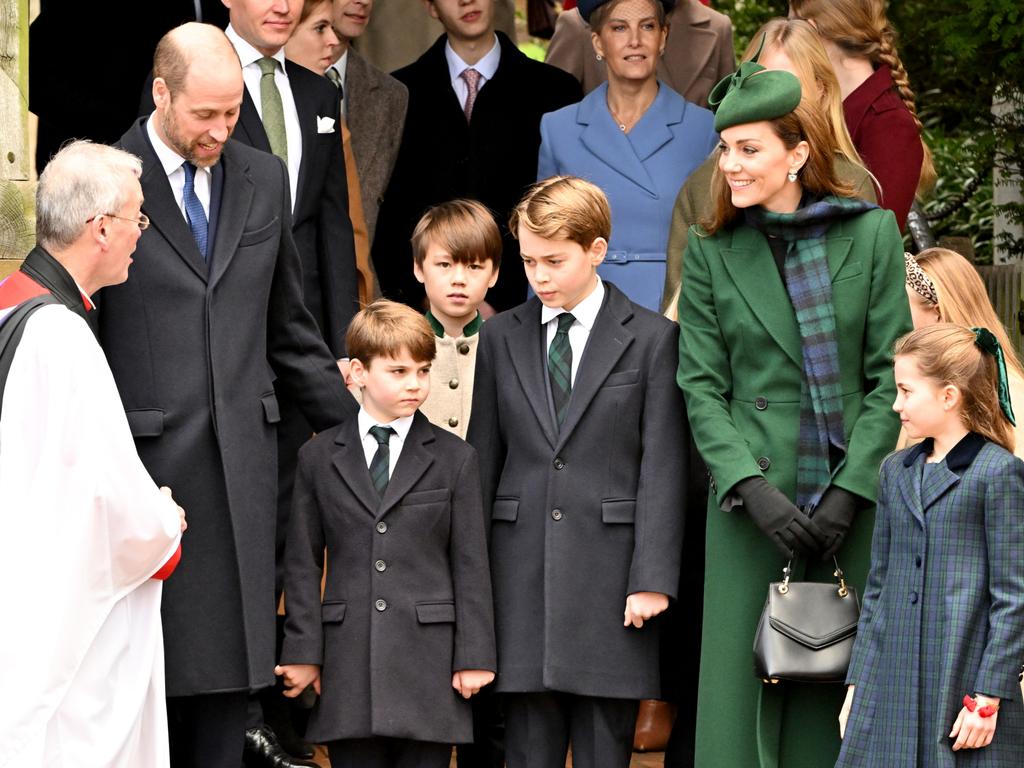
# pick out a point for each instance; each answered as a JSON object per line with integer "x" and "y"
{"x": 82, "y": 181}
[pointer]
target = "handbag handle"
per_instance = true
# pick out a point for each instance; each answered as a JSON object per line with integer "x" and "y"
{"x": 843, "y": 590}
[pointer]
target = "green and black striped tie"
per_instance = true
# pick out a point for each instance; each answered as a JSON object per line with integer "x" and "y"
{"x": 560, "y": 366}
{"x": 380, "y": 465}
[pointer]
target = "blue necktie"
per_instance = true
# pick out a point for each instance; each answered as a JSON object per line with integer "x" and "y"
{"x": 194, "y": 212}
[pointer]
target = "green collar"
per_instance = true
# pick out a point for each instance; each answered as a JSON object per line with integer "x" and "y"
{"x": 471, "y": 329}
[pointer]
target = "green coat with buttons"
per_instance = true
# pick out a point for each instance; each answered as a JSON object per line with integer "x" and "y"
{"x": 740, "y": 368}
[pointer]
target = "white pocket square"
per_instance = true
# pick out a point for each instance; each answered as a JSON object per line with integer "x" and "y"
{"x": 325, "y": 125}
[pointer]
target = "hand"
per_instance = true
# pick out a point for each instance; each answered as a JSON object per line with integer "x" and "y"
{"x": 298, "y": 677}
{"x": 641, "y": 606}
{"x": 181, "y": 512}
{"x": 789, "y": 529}
{"x": 470, "y": 681}
{"x": 971, "y": 730}
{"x": 844, "y": 713}
{"x": 833, "y": 517}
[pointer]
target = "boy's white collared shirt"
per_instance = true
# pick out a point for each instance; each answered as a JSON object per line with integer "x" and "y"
{"x": 586, "y": 315}
{"x": 401, "y": 427}
{"x": 487, "y": 66}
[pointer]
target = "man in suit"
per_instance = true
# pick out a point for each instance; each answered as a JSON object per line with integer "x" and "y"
{"x": 212, "y": 316}
{"x": 472, "y": 130}
{"x": 698, "y": 54}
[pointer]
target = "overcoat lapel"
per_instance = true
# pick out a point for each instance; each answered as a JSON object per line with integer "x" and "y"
{"x": 350, "y": 462}
{"x": 305, "y": 106}
{"x": 838, "y": 249}
{"x": 909, "y": 482}
{"x": 935, "y": 483}
{"x": 598, "y": 360}
{"x": 749, "y": 263}
{"x": 603, "y": 139}
{"x": 414, "y": 460}
{"x": 691, "y": 59}
{"x": 236, "y": 199}
{"x": 525, "y": 348}
{"x": 361, "y": 105}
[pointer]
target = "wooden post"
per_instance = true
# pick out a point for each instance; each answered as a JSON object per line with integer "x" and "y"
{"x": 17, "y": 190}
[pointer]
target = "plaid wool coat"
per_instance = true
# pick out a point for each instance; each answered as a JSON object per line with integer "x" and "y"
{"x": 943, "y": 611}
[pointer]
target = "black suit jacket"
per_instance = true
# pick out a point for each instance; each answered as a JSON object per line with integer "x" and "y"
{"x": 196, "y": 352}
{"x": 408, "y": 593}
{"x": 584, "y": 516}
{"x": 493, "y": 159}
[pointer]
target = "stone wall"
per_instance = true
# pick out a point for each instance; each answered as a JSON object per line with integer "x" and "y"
{"x": 17, "y": 188}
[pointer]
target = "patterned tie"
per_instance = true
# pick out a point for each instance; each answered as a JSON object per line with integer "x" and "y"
{"x": 379, "y": 466}
{"x": 273, "y": 110}
{"x": 472, "y": 80}
{"x": 194, "y": 213}
{"x": 334, "y": 77}
{"x": 560, "y": 366}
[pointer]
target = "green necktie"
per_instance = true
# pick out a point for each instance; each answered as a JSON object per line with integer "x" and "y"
{"x": 273, "y": 110}
{"x": 560, "y": 366}
{"x": 380, "y": 465}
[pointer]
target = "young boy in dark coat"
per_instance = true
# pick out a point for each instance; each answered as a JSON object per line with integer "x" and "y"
{"x": 404, "y": 634}
{"x": 582, "y": 438}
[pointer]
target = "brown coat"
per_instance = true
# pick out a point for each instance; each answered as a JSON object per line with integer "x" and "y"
{"x": 698, "y": 54}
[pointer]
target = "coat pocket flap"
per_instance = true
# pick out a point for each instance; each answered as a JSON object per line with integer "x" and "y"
{"x": 332, "y": 613}
{"x": 146, "y": 422}
{"x": 425, "y": 497}
{"x": 254, "y": 236}
{"x": 270, "y": 408}
{"x": 618, "y": 510}
{"x": 621, "y": 378}
{"x": 435, "y": 613}
{"x": 505, "y": 509}
{"x": 817, "y": 623}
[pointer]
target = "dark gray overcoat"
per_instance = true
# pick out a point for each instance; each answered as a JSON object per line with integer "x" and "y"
{"x": 408, "y": 594}
{"x": 195, "y": 351}
{"x": 943, "y": 610}
{"x": 580, "y": 518}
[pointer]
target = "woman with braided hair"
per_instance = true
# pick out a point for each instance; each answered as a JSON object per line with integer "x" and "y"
{"x": 877, "y": 99}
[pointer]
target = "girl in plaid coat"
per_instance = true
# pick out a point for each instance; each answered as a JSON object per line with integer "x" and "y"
{"x": 933, "y": 678}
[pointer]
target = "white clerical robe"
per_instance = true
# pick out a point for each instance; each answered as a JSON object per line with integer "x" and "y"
{"x": 82, "y": 529}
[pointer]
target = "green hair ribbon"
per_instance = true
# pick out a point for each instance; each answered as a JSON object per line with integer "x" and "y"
{"x": 987, "y": 342}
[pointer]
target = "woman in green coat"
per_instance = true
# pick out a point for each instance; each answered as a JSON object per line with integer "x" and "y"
{"x": 792, "y": 297}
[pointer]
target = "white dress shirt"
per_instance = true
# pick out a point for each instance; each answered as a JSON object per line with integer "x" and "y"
{"x": 401, "y": 427}
{"x": 172, "y": 162}
{"x": 487, "y": 66}
{"x": 341, "y": 67}
{"x": 252, "y": 74}
{"x": 586, "y": 315}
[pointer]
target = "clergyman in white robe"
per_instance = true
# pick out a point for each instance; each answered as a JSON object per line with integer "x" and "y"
{"x": 83, "y": 529}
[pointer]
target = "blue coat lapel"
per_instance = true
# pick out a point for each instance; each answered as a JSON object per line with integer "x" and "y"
{"x": 603, "y": 139}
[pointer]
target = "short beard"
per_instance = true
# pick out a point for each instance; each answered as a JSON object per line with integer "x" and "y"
{"x": 186, "y": 150}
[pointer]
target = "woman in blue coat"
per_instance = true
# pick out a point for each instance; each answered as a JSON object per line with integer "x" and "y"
{"x": 634, "y": 137}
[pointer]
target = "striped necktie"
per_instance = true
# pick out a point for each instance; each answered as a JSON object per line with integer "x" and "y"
{"x": 194, "y": 213}
{"x": 273, "y": 109}
{"x": 560, "y": 366}
{"x": 380, "y": 465}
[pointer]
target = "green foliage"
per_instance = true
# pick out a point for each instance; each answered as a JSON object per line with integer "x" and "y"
{"x": 748, "y": 15}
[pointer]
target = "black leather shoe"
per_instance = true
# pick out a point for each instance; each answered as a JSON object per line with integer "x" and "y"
{"x": 262, "y": 750}
{"x": 294, "y": 745}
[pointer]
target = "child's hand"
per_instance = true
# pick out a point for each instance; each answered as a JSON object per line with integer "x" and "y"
{"x": 844, "y": 713}
{"x": 971, "y": 730}
{"x": 470, "y": 681}
{"x": 641, "y": 606}
{"x": 298, "y": 677}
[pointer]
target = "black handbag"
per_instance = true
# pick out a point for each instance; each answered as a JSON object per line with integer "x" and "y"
{"x": 806, "y": 631}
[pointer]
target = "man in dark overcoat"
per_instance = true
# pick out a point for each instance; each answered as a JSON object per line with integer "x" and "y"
{"x": 211, "y": 321}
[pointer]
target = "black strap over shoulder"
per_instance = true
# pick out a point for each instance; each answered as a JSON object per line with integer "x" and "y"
{"x": 11, "y": 329}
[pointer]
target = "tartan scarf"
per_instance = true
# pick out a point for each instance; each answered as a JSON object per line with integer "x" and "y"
{"x": 822, "y": 443}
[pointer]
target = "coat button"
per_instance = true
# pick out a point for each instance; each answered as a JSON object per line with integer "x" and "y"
{"x": 381, "y": 605}
{"x": 556, "y": 514}
{"x": 913, "y": 598}
{"x": 382, "y": 527}
{"x": 917, "y": 561}
{"x": 763, "y": 463}
{"x": 453, "y": 384}
{"x": 761, "y": 403}
{"x": 381, "y": 566}
{"x": 559, "y": 464}
{"x": 463, "y": 348}
{"x": 453, "y": 422}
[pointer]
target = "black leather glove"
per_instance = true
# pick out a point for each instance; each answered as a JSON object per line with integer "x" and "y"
{"x": 779, "y": 518}
{"x": 833, "y": 516}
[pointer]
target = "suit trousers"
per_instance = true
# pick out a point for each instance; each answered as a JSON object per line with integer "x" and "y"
{"x": 207, "y": 731}
{"x": 381, "y": 752}
{"x": 539, "y": 728}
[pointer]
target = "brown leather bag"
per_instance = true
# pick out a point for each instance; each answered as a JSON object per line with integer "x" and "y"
{"x": 653, "y": 725}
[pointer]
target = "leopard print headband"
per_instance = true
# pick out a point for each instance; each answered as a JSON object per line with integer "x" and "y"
{"x": 919, "y": 281}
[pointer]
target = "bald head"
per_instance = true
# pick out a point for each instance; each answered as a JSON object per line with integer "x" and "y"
{"x": 200, "y": 48}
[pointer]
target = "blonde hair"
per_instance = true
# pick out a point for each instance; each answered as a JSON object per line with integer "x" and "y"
{"x": 798, "y": 40}
{"x": 818, "y": 175}
{"x": 963, "y": 298}
{"x": 947, "y": 353}
{"x": 386, "y": 328}
{"x": 861, "y": 28}
{"x": 464, "y": 228}
{"x": 564, "y": 208}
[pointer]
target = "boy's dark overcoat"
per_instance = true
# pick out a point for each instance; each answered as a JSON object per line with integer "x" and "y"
{"x": 408, "y": 592}
{"x": 580, "y": 518}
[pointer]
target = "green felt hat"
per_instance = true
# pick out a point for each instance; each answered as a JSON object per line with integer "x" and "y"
{"x": 753, "y": 93}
